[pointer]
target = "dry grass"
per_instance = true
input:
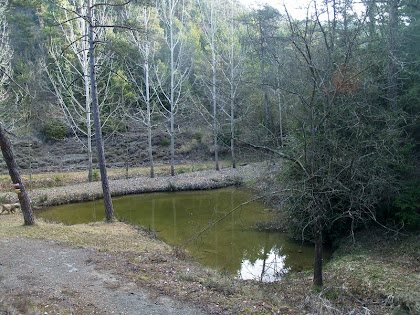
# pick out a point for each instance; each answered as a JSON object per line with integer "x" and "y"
{"x": 384, "y": 268}
{"x": 48, "y": 180}
{"x": 110, "y": 237}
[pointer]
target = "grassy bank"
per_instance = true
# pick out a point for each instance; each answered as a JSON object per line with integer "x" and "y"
{"x": 378, "y": 275}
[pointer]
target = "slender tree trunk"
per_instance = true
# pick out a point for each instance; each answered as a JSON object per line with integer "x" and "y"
{"x": 215, "y": 127}
{"x": 263, "y": 82}
{"x": 280, "y": 118}
{"x": 149, "y": 142}
{"x": 88, "y": 117}
{"x": 232, "y": 131}
{"x": 280, "y": 107}
{"x": 392, "y": 53}
{"x": 147, "y": 88}
{"x": 232, "y": 112}
{"x": 85, "y": 65}
{"x": 214, "y": 96}
{"x": 6, "y": 148}
{"x": 98, "y": 133}
{"x": 232, "y": 87}
{"x": 149, "y": 120}
{"x": 371, "y": 8}
{"x": 172, "y": 99}
{"x": 318, "y": 253}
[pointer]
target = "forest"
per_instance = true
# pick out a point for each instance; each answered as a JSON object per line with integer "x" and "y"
{"x": 335, "y": 96}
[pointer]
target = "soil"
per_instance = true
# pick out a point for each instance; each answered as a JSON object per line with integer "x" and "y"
{"x": 121, "y": 149}
{"x": 48, "y": 277}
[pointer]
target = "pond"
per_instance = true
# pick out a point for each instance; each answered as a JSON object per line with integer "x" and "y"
{"x": 234, "y": 245}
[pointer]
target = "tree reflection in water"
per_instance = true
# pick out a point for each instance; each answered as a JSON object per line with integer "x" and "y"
{"x": 272, "y": 267}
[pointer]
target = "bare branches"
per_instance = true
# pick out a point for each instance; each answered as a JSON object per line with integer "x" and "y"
{"x": 213, "y": 224}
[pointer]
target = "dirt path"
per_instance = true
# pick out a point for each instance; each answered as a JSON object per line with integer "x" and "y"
{"x": 48, "y": 277}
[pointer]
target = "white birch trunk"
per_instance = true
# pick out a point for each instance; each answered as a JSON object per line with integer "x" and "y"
{"x": 147, "y": 93}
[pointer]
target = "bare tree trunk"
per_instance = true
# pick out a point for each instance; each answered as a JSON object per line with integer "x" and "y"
{"x": 371, "y": 11}
{"x": 24, "y": 200}
{"x": 232, "y": 90}
{"x": 318, "y": 253}
{"x": 215, "y": 125}
{"x": 149, "y": 121}
{"x": 214, "y": 96}
{"x": 149, "y": 125}
{"x": 263, "y": 82}
{"x": 86, "y": 78}
{"x": 147, "y": 87}
{"x": 98, "y": 132}
{"x": 280, "y": 118}
{"x": 280, "y": 106}
{"x": 392, "y": 53}
{"x": 88, "y": 118}
{"x": 168, "y": 10}
{"x": 172, "y": 99}
{"x": 232, "y": 131}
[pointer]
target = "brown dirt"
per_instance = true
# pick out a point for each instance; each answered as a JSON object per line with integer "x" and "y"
{"x": 48, "y": 277}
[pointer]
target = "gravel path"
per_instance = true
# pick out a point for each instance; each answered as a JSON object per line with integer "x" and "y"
{"x": 47, "y": 277}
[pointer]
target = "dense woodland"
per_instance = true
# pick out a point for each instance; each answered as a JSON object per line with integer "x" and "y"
{"x": 335, "y": 95}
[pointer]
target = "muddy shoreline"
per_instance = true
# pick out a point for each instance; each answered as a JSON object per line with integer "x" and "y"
{"x": 199, "y": 180}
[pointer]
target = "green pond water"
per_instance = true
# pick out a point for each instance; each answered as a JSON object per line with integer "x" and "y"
{"x": 234, "y": 245}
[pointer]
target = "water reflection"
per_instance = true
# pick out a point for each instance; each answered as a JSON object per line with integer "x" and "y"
{"x": 268, "y": 269}
{"x": 233, "y": 245}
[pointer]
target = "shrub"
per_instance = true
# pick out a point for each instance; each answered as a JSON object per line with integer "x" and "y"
{"x": 182, "y": 169}
{"x": 165, "y": 142}
{"x": 407, "y": 205}
{"x": 95, "y": 175}
{"x": 55, "y": 130}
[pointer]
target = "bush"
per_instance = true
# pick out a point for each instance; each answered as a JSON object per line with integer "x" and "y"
{"x": 95, "y": 175}
{"x": 407, "y": 205}
{"x": 165, "y": 142}
{"x": 55, "y": 130}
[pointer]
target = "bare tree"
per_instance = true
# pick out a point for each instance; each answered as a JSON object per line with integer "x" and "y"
{"x": 109, "y": 211}
{"x": 70, "y": 65}
{"x": 6, "y": 146}
{"x": 172, "y": 94}
{"x": 233, "y": 56}
{"x": 143, "y": 42}
{"x": 5, "y": 51}
{"x": 210, "y": 25}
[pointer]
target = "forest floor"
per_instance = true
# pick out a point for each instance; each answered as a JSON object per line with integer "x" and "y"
{"x": 117, "y": 268}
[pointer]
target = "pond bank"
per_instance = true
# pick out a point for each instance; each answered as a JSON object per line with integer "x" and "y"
{"x": 199, "y": 180}
{"x": 377, "y": 275}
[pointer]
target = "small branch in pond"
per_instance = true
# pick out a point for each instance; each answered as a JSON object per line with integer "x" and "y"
{"x": 223, "y": 217}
